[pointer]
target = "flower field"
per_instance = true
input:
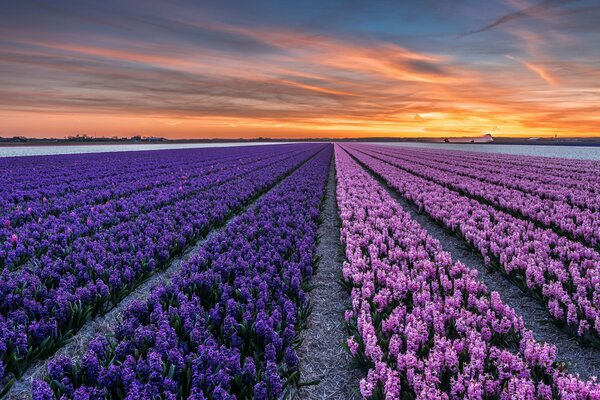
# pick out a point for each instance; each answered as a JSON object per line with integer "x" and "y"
{"x": 424, "y": 325}
{"x": 239, "y": 229}
{"x": 91, "y": 255}
{"x": 562, "y": 272}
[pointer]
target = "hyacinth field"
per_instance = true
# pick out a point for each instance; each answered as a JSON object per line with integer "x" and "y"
{"x": 195, "y": 274}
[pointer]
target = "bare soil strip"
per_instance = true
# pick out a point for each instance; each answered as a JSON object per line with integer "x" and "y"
{"x": 581, "y": 360}
{"x": 323, "y": 360}
{"x": 77, "y": 346}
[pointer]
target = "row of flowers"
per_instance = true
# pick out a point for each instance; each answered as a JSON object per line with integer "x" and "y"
{"x": 94, "y": 183}
{"x": 563, "y": 274}
{"x": 423, "y": 326}
{"x": 226, "y": 325}
{"x": 43, "y": 305}
{"x": 28, "y": 180}
{"x": 73, "y": 192}
{"x": 562, "y": 167}
{"x": 76, "y": 217}
{"x": 543, "y": 179}
{"x": 51, "y": 170}
{"x": 577, "y": 222}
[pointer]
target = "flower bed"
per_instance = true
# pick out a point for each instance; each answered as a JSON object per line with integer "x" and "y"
{"x": 422, "y": 325}
{"x": 580, "y": 222}
{"x": 226, "y": 326}
{"x": 547, "y": 176}
{"x": 47, "y": 226}
{"x": 42, "y": 306}
{"x": 563, "y": 274}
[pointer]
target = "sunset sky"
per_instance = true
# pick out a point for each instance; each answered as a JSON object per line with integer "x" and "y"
{"x": 312, "y": 68}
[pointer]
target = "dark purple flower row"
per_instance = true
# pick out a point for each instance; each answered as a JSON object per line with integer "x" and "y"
{"x": 44, "y": 304}
{"x": 226, "y": 326}
{"x": 71, "y": 194}
{"x": 50, "y": 170}
{"x": 30, "y": 179}
{"x": 51, "y": 236}
{"x": 577, "y": 222}
{"x": 564, "y": 274}
{"x": 422, "y": 325}
{"x": 60, "y": 194}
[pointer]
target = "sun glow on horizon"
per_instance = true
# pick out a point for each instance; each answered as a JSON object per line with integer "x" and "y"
{"x": 220, "y": 77}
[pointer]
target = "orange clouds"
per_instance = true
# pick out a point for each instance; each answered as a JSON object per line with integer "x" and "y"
{"x": 293, "y": 84}
{"x": 541, "y": 72}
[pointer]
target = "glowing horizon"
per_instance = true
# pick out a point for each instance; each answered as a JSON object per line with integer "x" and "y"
{"x": 235, "y": 70}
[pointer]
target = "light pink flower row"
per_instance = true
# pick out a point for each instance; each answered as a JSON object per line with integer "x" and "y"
{"x": 423, "y": 325}
{"x": 580, "y": 221}
{"x": 565, "y": 275}
{"x": 545, "y": 178}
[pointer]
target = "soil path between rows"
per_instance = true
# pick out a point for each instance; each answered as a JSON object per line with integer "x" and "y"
{"x": 323, "y": 358}
{"x": 582, "y": 360}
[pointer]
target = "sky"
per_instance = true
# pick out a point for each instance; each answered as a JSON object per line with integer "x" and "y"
{"x": 311, "y": 68}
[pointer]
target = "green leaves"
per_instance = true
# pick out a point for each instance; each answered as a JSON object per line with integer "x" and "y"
{"x": 6, "y": 387}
